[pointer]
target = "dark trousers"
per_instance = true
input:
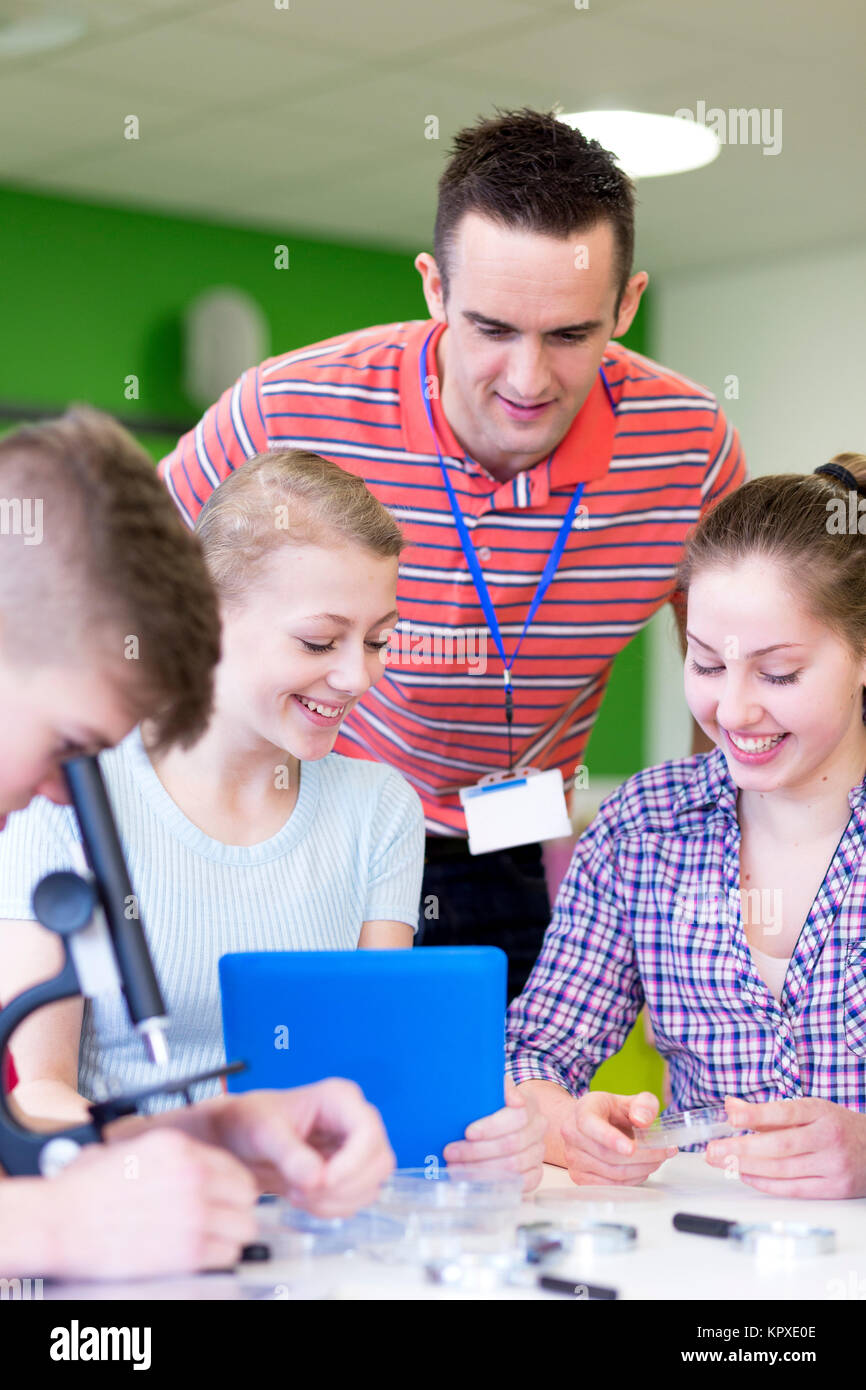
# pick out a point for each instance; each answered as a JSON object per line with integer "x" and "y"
{"x": 497, "y": 899}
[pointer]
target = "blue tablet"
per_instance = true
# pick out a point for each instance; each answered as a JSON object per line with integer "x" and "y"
{"x": 421, "y": 1031}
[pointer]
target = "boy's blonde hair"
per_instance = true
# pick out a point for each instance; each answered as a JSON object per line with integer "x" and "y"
{"x": 287, "y": 496}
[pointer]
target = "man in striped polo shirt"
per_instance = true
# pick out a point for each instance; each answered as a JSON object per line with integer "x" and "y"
{"x": 515, "y": 383}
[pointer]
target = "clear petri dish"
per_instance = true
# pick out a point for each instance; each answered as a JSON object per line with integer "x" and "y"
{"x": 292, "y": 1232}
{"x": 447, "y": 1213}
{"x": 451, "y": 1189}
{"x": 682, "y": 1128}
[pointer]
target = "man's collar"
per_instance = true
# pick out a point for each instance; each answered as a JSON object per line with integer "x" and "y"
{"x": 582, "y": 456}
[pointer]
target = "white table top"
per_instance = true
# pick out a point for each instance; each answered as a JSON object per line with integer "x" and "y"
{"x": 666, "y": 1264}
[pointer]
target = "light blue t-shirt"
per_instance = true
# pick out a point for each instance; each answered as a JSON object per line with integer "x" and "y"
{"x": 352, "y": 851}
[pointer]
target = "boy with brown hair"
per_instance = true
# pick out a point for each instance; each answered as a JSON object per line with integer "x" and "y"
{"x": 107, "y": 615}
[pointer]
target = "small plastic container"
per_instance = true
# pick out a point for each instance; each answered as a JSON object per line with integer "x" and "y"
{"x": 683, "y": 1128}
{"x": 448, "y": 1213}
{"x": 293, "y": 1233}
{"x": 455, "y": 1188}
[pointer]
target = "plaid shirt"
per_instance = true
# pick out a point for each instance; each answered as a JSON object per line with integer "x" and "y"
{"x": 650, "y": 911}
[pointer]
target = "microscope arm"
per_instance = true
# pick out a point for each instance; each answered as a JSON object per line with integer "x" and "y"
{"x": 20, "y": 1147}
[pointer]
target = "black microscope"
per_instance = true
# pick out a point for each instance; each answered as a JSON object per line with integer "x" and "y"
{"x": 97, "y": 916}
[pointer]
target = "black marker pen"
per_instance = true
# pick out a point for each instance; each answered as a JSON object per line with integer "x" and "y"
{"x": 576, "y": 1288}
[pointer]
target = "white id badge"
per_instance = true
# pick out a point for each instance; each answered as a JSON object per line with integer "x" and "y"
{"x": 515, "y": 808}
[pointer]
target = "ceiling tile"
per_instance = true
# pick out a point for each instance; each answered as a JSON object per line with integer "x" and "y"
{"x": 42, "y": 121}
{"x": 770, "y": 29}
{"x": 377, "y": 29}
{"x": 393, "y": 205}
{"x": 366, "y": 116}
{"x": 314, "y": 117}
{"x": 193, "y": 57}
{"x": 578, "y": 58}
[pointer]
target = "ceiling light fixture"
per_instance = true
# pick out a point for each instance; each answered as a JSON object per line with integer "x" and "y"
{"x": 646, "y": 145}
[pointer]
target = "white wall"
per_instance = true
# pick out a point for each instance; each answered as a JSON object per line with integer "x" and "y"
{"x": 793, "y": 331}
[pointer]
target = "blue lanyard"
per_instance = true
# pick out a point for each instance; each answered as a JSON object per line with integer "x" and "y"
{"x": 472, "y": 558}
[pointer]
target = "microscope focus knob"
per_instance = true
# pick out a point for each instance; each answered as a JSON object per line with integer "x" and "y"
{"x": 56, "y": 1154}
{"x": 64, "y": 902}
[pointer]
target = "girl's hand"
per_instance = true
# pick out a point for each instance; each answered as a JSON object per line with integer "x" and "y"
{"x": 597, "y": 1138}
{"x": 509, "y": 1140}
{"x": 801, "y": 1148}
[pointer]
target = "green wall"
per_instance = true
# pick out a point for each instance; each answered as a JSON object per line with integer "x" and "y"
{"x": 91, "y": 294}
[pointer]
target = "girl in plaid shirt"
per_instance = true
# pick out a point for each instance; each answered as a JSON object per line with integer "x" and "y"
{"x": 726, "y": 890}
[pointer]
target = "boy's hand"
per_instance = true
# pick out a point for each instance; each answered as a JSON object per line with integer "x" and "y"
{"x": 160, "y": 1204}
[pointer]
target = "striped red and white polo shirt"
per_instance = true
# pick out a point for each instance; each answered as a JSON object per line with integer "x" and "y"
{"x": 653, "y": 456}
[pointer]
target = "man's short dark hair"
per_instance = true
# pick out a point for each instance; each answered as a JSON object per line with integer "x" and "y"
{"x": 528, "y": 170}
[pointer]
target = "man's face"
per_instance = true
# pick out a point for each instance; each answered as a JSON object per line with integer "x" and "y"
{"x": 51, "y": 714}
{"x": 528, "y": 318}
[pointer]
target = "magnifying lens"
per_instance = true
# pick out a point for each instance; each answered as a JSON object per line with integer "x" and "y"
{"x": 545, "y": 1240}
{"x": 776, "y": 1239}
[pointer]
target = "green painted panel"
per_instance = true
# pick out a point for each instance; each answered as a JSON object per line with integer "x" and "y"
{"x": 92, "y": 294}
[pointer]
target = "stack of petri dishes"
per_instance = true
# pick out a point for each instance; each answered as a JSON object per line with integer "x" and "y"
{"x": 447, "y": 1212}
